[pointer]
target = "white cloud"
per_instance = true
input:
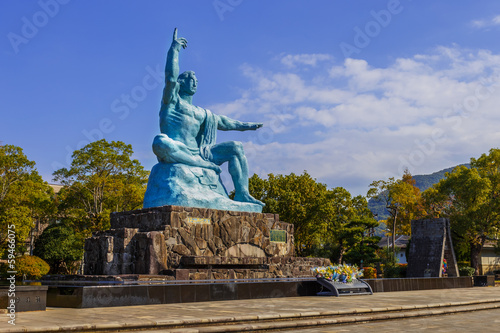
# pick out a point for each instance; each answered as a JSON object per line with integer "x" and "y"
{"x": 486, "y": 23}
{"x": 325, "y": 117}
{"x": 294, "y": 60}
{"x": 363, "y": 123}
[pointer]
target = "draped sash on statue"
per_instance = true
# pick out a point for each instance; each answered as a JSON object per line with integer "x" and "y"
{"x": 209, "y": 135}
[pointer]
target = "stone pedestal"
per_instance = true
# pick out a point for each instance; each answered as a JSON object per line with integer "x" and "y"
{"x": 196, "y": 244}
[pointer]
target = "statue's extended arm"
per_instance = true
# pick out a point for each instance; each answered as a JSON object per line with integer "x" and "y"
{"x": 172, "y": 68}
{"x": 228, "y": 124}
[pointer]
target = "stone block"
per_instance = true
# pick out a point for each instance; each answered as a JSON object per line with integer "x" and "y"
{"x": 208, "y": 253}
{"x": 182, "y": 274}
{"x": 181, "y": 249}
{"x": 201, "y": 243}
{"x": 484, "y": 281}
{"x": 27, "y": 298}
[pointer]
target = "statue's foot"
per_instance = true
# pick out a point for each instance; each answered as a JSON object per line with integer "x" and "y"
{"x": 248, "y": 198}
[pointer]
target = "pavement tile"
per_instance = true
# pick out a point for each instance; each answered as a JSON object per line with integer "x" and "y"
{"x": 270, "y": 309}
{"x": 363, "y": 310}
{"x": 266, "y": 316}
{"x": 164, "y": 322}
{"x": 310, "y": 314}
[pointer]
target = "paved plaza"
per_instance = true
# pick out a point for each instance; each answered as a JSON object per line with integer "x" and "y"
{"x": 187, "y": 317}
{"x": 476, "y": 321}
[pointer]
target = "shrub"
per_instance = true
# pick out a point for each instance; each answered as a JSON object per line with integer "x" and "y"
{"x": 402, "y": 270}
{"x": 466, "y": 271}
{"x": 369, "y": 273}
{"x": 397, "y": 271}
{"x": 31, "y": 266}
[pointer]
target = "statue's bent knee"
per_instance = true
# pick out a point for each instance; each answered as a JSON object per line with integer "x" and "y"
{"x": 238, "y": 148}
{"x": 162, "y": 146}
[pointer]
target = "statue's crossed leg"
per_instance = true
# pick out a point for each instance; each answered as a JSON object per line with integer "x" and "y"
{"x": 171, "y": 151}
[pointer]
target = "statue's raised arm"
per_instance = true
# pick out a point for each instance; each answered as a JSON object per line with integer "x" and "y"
{"x": 172, "y": 69}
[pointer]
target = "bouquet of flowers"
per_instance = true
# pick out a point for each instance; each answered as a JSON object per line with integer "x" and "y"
{"x": 340, "y": 273}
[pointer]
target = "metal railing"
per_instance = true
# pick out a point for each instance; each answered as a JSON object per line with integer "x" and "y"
{"x": 96, "y": 283}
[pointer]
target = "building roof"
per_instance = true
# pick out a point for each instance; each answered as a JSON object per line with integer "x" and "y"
{"x": 401, "y": 241}
{"x": 56, "y": 187}
{"x": 490, "y": 244}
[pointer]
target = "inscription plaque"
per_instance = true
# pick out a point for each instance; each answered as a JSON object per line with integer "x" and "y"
{"x": 278, "y": 236}
{"x": 198, "y": 220}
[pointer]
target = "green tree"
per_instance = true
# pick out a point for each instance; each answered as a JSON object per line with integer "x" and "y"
{"x": 24, "y": 197}
{"x": 61, "y": 247}
{"x": 327, "y": 223}
{"x": 299, "y": 200}
{"x": 102, "y": 178}
{"x": 402, "y": 200}
{"x": 348, "y": 228}
{"x": 470, "y": 198}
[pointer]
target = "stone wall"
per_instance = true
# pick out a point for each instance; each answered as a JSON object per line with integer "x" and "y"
{"x": 196, "y": 243}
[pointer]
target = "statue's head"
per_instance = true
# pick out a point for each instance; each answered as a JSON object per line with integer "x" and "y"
{"x": 187, "y": 83}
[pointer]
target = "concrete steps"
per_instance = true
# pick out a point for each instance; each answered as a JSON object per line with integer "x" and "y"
{"x": 291, "y": 321}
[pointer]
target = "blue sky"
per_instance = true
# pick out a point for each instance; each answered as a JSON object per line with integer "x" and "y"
{"x": 351, "y": 91}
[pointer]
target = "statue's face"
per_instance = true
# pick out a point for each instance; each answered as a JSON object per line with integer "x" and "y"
{"x": 189, "y": 85}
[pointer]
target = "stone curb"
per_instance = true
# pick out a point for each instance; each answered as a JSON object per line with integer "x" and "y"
{"x": 282, "y": 321}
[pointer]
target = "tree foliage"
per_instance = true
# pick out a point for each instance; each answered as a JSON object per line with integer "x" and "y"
{"x": 403, "y": 201}
{"x": 470, "y": 198}
{"x": 102, "y": 178}
{"x": 350, "y": 220}
{"x": 299, "y": 200}
{"x": 423, "y": 182}
{"x": 31, "y": 267}
{"x": 24, "y": 196}
{"x": 61, "y": 247}
{"x": 327, "y": 222}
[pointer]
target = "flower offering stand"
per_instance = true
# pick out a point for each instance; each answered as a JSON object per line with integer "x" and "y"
{"x": 341, "y": 280}
{"x": 356, "y": 287}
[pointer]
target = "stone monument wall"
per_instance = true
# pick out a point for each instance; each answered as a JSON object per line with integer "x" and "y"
{"x": 430, "y": 244}
{"x": 196, "y": 243}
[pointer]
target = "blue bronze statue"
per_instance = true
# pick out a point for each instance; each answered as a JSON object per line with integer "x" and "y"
{"x": 187, "y": 173}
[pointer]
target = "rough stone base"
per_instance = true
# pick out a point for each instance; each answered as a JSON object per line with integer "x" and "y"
{"x": 215, "y": 268}
{"x": 183, "y": 185}
{"x": 196, "y": 243}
